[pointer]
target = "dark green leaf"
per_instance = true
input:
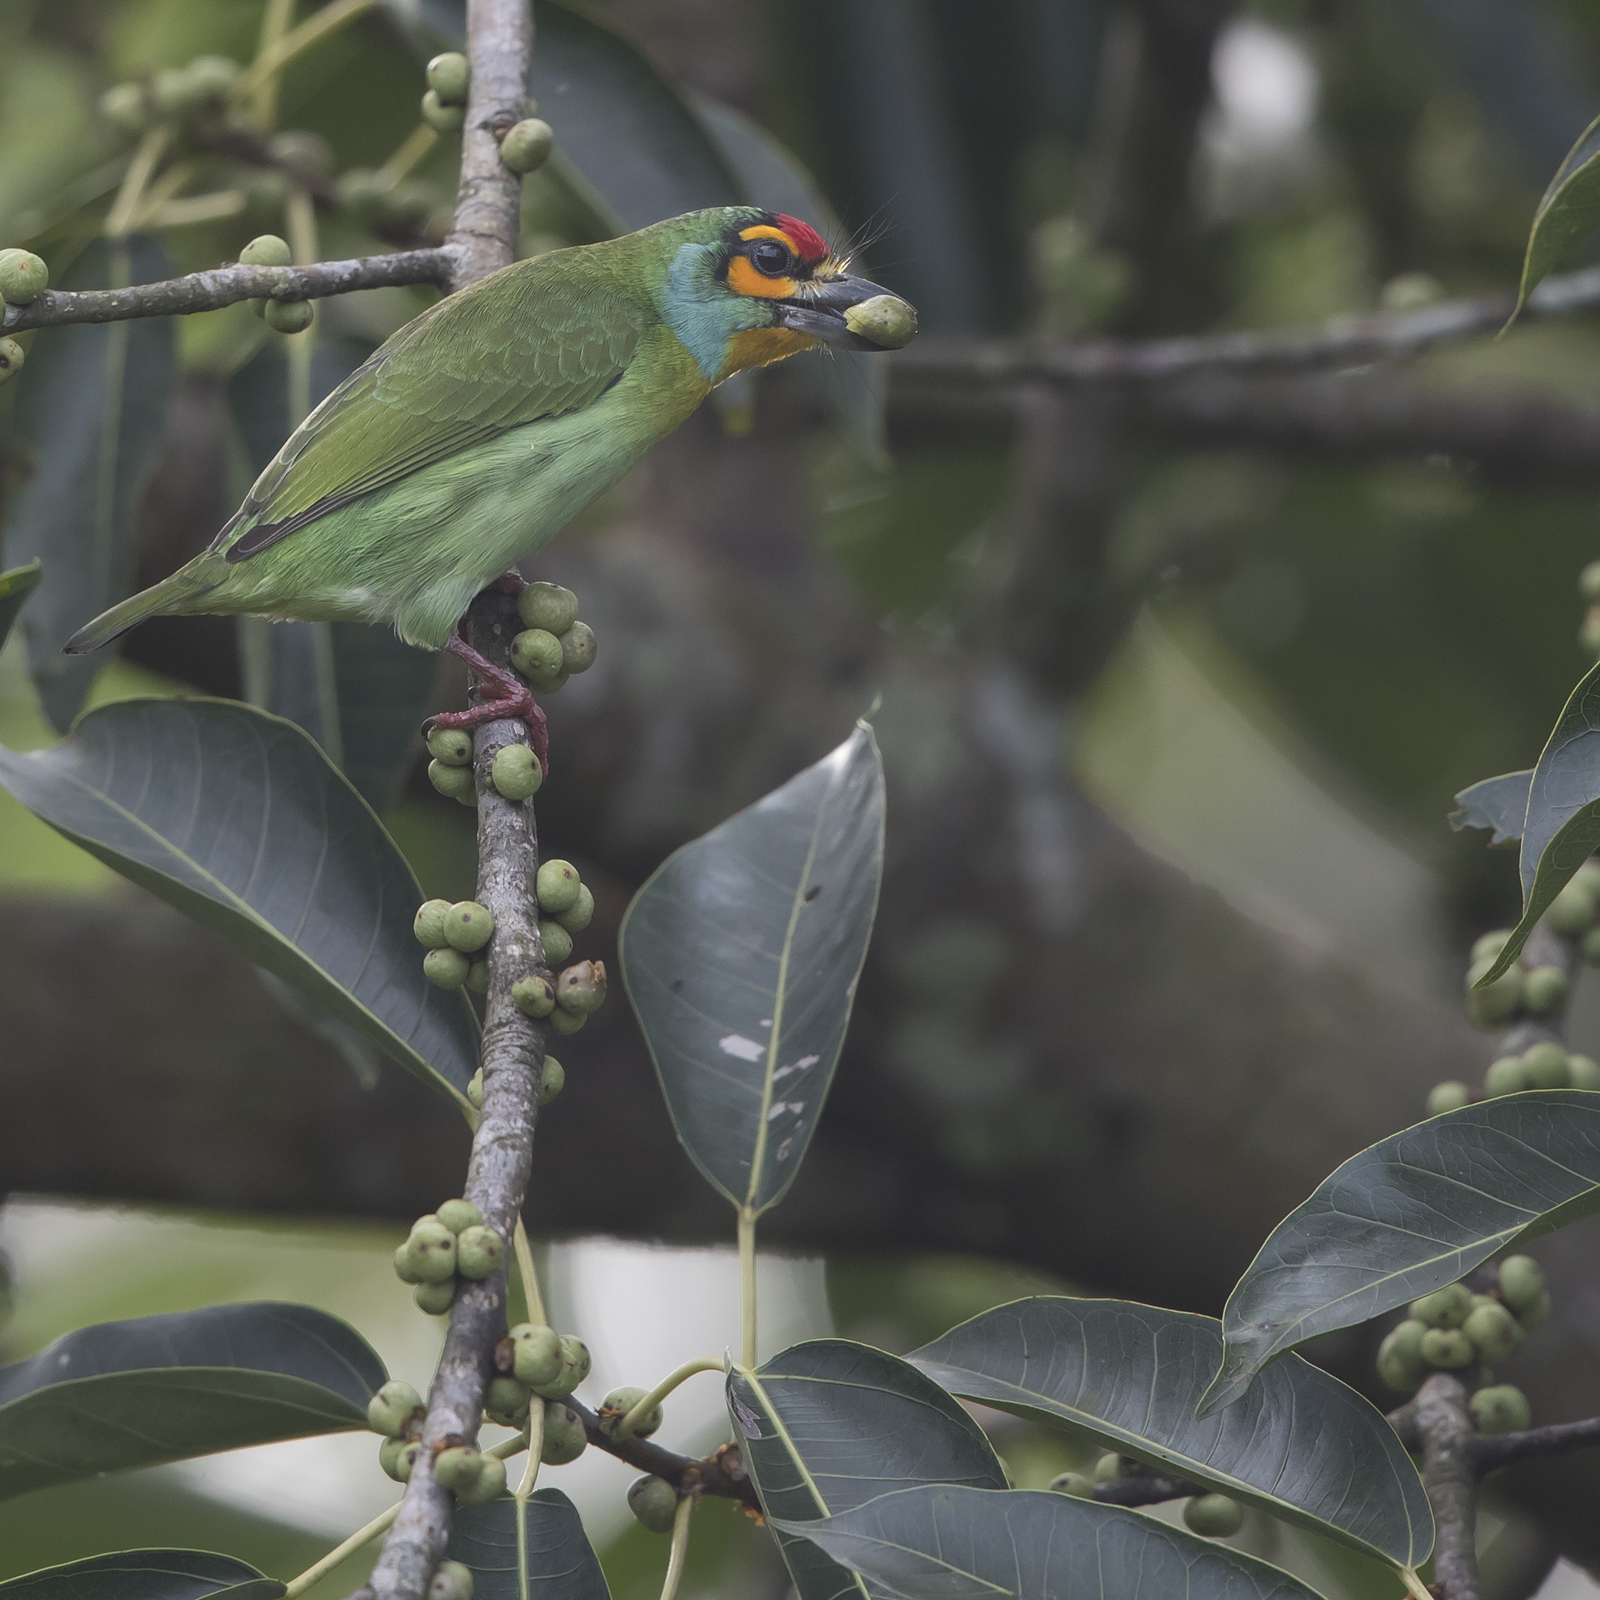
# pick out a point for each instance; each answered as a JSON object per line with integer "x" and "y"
{"x": 853, "y": 386}
{"x": 238, "y": 819}
{"x": 635, "y": 145}
{"x": 1568, "y": 211}
{"x": 561, "y": 1563}
{"x": 1500, "y": 804}
{"x": 357, "y": 690}
{"x": 984, "y": 1544}
{"x": 15, "y": 587}
{"x": 91, "y": 405}
{"x": 130, "y": 1394}
{"x": 829, "y": 1424}
{"x": 741, "y": 955}
{"x": 1302, "y": 1445}
{"x": 147, "y": 1575}
{"x": 1408, "y": 1215}
{"x": 1562, "y": 828}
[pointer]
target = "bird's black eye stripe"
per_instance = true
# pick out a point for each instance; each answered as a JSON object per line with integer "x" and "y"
{"x": 770, "y": 257}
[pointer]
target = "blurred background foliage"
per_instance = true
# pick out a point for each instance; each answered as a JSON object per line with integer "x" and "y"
{"x": 1270, "y": 657}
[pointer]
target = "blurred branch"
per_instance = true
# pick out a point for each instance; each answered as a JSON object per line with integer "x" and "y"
{"x": 1451, "y": 1477}
{"x": 1343, "y": 342}
{"x": 226, "y": 286}
{"x": 1145, "y": 1488}
{"x": 1494, "y": 1450}
{"x": 720, "y": 1474}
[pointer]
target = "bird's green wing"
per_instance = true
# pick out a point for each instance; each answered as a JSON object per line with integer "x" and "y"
{"x": 533, "y": 341}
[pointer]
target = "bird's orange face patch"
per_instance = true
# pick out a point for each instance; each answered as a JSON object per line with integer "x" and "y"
{"x": 744, "y": 279}
{"x": 767, "y": 273}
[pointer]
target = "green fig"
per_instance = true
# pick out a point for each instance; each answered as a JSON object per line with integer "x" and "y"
{"x": 557, "y": 886}
{"x": 480, "y": 1252}
{"x": 456, "y": 782}
{"x": 440, "y": 117}
{"x": 1501, "y": 1408}
{"x": 578, "y": 647}
{"x": 393, "y": 1408}
{"x": 516, "y": 772}
{"x": 1521, "y": 1281}
{"x": 534, "y": 996}
{"x": 23, "y": 277}
{"x": 1406, "y": 1338}
{"x": 1499, "y": 1001}
{"x": 654, "y": 1502}
{"x": 527, "y": 145}
{"x": 535, "y": 652}
{"x": 1449, "y": 1096}
{"x": 457, "y": 1467}
{"x": 564, "y": 1436}
{"x": 1489, "y": 945}
{"x": 489, "y": 1485}
{"x": 429, "y": 923}
{"x": 886, "y": 320}
{"x": 451, "y": 1580}
{"x": 1443, "y": 1308}
{"x": 126, "y": 108}
{"x": 1544, "y": 989}
{"x": 580, "y": 913}
{"x": 449, "y": 76}
{"x": 1584, "y": 1073}
{"x": 469, "y": 926}
{"x": 574, "y": 1369}
{"x": 478, "y": 977}
{"x": 266, "y": 250}
{"x": 1400, "y": 1363}
{"x": 1505, "y": 1076}
{"x": 1590, "y": 946}
{"x": 1589, "y": 583}
{"x": 618, "y": 1404}
{"x": 435, "y": 1298}
{"x": 556, "y": 940}
{"x": 1213, "y": 1516}
{"x": 582, "y": 987}
{"x": 547, "y": 606}
{"x": 536, "y": 1353}
{"x": 459, "y": 1215}
{"x": 306, "y": 155}
{"x": 506, "y": 1401}
{"x": 1573, "y": 910}
{"x": 1544, "y": 1065}
{"x": 1077, "y": 1484}
{"x": 433, "y": 1249}
{"x": 552, "y": 1080}
{"x": 1493, "y": 1331}
{"x": 12, "y": 359}
{"x": 452, "y": 746}
{"x": 567, "y": 1022}
{"x": 1107, "y": 1467}
{"x": 475, "y": 1089}
{"x": 1447, "y": 1348}
{"x": 448, "y": 968}
{"x": 1532, "y": 1317}
{"x": 211, "y": 77}
{"x": 397, "y": 1456}
{"x": 405, "y": 1264}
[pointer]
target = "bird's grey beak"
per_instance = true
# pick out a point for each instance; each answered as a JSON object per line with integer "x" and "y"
{"x": 849, "y": 312}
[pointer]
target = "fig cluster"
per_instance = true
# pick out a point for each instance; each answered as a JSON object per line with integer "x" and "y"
{"x": 450, "y": 1243}
{"x": 535, "y": 1363}
{"x": 285, "y": 316}
{"x": 566, "y": 907}
{"x": 396, "y": 1411}
{"x": 454, "y": 936}
{"x": 553, "y": 643}
{"x": 23, "y": 278}
{"x": 1454, "y": 1330}
{"x": 444, "y": 105}
{"x": 515, "y": 771}
{"x": 174, "y": 97}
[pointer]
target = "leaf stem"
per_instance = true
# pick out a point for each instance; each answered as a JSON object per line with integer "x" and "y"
{"x": 408, "y": 155}
{"x": 341, "y": 1553}
{"x": 632, "y": 1418}
{"x": 260, "y": 77}
{"x": 119, "y": 221}
{"x": 530, "y": 1475}
{"x": 1415, "y": 1587}
{"x": 530, "y": 1278}
{"x": 263, "y": 89}
{"x": 747, "y": 1284}
{"x": 680, "y": 1547}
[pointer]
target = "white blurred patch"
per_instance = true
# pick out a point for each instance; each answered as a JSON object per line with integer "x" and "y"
{"x": 1567, "y": 1582}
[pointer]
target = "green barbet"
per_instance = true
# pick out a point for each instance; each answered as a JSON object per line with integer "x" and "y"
{"x": 484, "y": 425}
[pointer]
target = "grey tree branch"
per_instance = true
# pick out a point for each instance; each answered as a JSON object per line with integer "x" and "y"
{"x": 720, "y": 1474}
{"x": 1147, "y": 1488}
{"x": 1451, "y": 1478}
{"x": 1490, "y": 1451}
{"x": 499, "y": 43}
{"x": 1344, "y": 342}
{"x": 226, "y": 286}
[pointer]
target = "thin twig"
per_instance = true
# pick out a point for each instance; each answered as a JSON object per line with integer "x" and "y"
{"x": 721, "y": 1473}
{"x": 1146, "y": 1488}
{"x": 226, "y": 286}
{"x": 1490, "y": 1451}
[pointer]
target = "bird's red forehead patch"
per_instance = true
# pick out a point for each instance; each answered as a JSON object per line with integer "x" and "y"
{"x": 808, "y": 243}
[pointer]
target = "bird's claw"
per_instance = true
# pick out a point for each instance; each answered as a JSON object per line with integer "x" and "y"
{"x": 510, "y": 697}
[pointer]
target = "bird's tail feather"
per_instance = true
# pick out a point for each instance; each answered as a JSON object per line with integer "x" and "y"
{"x": 187, "y": 584}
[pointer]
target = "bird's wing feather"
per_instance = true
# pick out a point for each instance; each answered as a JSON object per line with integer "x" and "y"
{"x": 515, "y": 347}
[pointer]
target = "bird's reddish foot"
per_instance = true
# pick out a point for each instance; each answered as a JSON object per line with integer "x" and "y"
{"x": 508, "y": 696}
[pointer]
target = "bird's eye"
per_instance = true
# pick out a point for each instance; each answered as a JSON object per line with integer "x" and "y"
{"x": 771, "y": 258}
